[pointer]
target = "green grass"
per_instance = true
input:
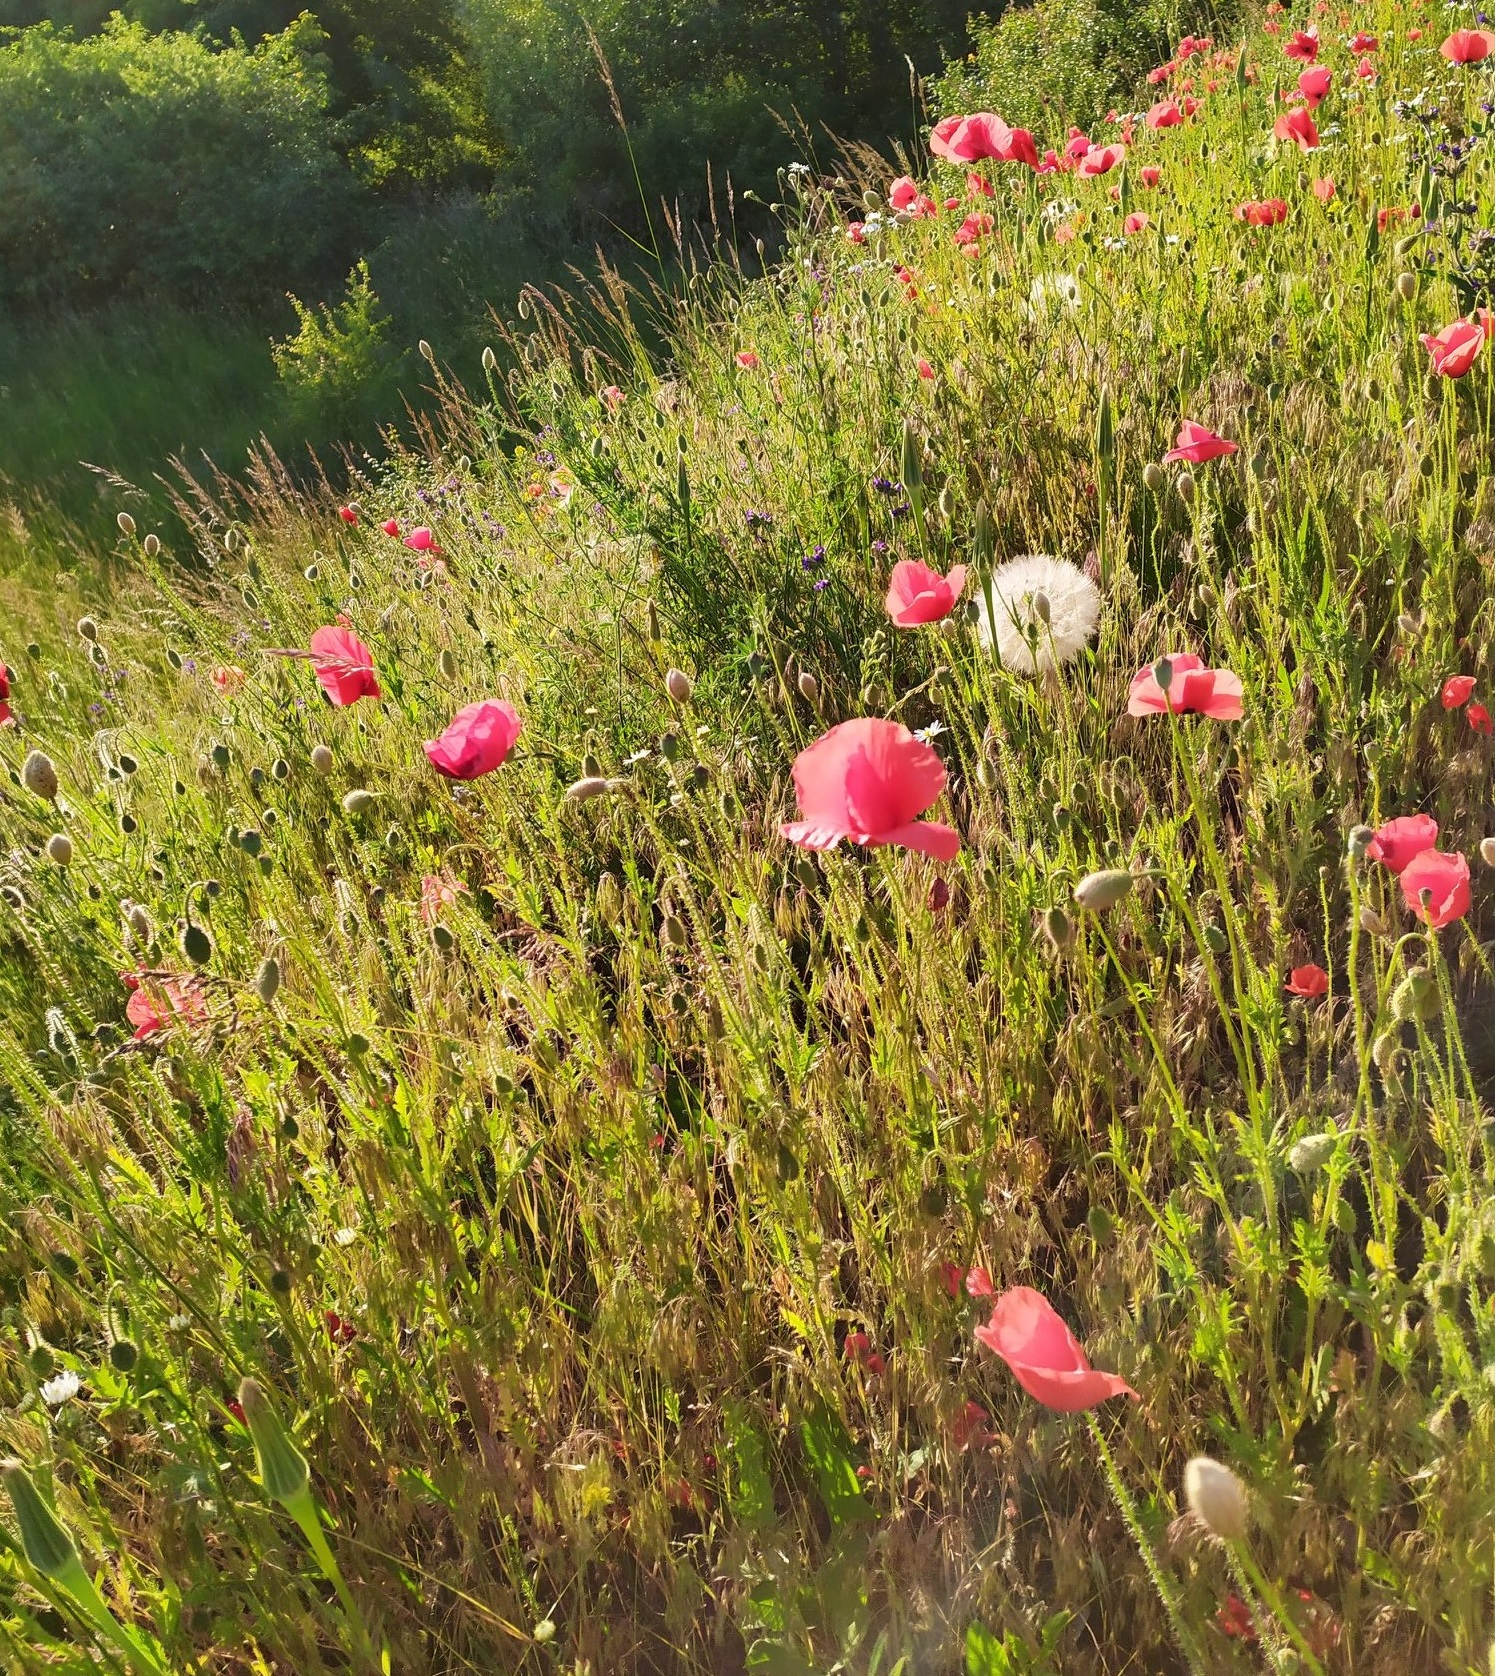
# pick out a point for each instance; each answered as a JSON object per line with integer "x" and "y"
{"x": 597, "y": 1177}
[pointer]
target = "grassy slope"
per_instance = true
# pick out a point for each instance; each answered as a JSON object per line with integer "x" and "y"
{"x": 600, "y": 1208}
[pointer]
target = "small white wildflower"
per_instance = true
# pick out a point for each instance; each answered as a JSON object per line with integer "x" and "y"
{"x": 345, "y": 1236}
{"x": 1023, "y": 642}
{"x": 933, "y": 731}
{"x": 62, "y": 1388}
{"x": 1058, "y": 211}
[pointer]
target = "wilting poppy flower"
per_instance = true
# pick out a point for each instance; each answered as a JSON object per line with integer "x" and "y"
{"x": 1453, "y": 351}
{"x": 746, "y": 359}
{"x": 1324, "y": 190}
{"x": 1314, "y": 85}
{"x": 1209, "y": 692}
{"x": 1197, "y": 445}
{"x": 1100, "y": 160}
{"x": 391, "y": 526}
{"x": 1444, "y": 880}
{"x": 1149, "y": 175}
{"x": 1044, "y": 1356}
{"x": 1299, "y": 127}
{"x": 475, "y": 741}
{"x": 343, "y": 665}
{"x": 979, "y": 1283}
{"x": 1363, "y": 43}
{"x": 1308, "y": 981}
{"x": 858, "y": 1348}
{"x": 917, "y": 594}
{"x": 1468, "y": 46}
{"x": 1135, "y": 223}
{"x": 1399, "y": 841}
{"x": 421, "y": 540}
{"x": 347, "y": 514}
{"x": 1160, "y": 74}
{"x": 1165, "y": 114}
{"x": 1303, "y": 44}
{"x": 1479, "y": 718}
{"x": 970, "y": 1429}
{"x": 1456, "y": 691}
{"x": 154, "y": 1003}
{"x": 902, "y": 193}
{"x": 438, "y": 892}
{"x": 866, "y": 780}
{"x": 613, "y": 398}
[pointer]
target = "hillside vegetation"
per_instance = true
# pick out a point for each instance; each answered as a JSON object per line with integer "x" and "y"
{"x": 720, "y": 1039}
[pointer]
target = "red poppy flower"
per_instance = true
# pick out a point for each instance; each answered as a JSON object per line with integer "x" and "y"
{"x": 1135, "y": 223}
{"x": 867, "y": 780}
{"x": 339, "y": 1330}
{"x": 1044, "y": 1355}
{"x": 1100, "y": 160}
{"x": 1479, "y": 718}
{"x": 343, "y": 665}
{"x": 1456, "y": 691}
{"x": 1398, "y": 841}
{"x": 917, "y": 594}
{"x": 476, "y": 741}
{"x": 1452, "y": 352}
{"x": 1149, "y": 175}
{"x": 1436, "y": 887}
{"x": 1299, "y": 127}
{"x": 1207, "y": 692}
{"x": 973, "y": 228}
{"x": 970, "y": 1429}
{"x": 1268, "y": 213}
{"x": 421, "y": 540}
{"x": 978, "y": 186}
{"x": 1308, "y": 981}
{"x": 1303, "y": 44}
{"x": 902, "y": 193}
{"x": 155, "y": 1002}
{"x": 1363, "y": 43}
{"x": 391, "y": 526}
{"x": 347, "y": 514}
{"x": 1196, "y": 444}
{"x": 1468, "y": 46}
{"x": 858, "y": 1348}
{"x": 746, "y": 359}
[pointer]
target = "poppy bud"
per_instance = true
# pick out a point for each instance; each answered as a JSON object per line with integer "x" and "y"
{"x": 442, "y": 937}
{"x": 283, "y": 1468}
{"x": 1357, "y": 840}
{"x": 1409, "y": 624}
{"x": 1099, "y": 891}
{"x": 1312, "y": 1153}
{"x": 758, "y": 245}
{"x": 810, "y": 688}
{"x": 60, "y": 848}
{"x": 545, "y": 1630}
{"x": 12, "y": 897}
{"x": 583, "y": 790}
{"x": 1039, "y": 602}
{"x": 268, "y": 980}
{"x": 672, "y": 932}
{"x": 1217, "y": 1498}
{"x": 1154, "y": 479}
{"x": 652, "y": 620}
{"x": 1384, "y": 1051}
{"x": 678, "y": 685}
{"x": 1407, "y": 286}
{"x": 1163, "y": 674}
{"x": 139, "y": 922}
{"x": 946, "y": 502}
{"x": 427, "y": 352}
{"x": 152, "y": 545}
{"x": 871, "y": 201}
{"x": 1214, "y": 938}
{"x": 1416, "y": 996}
{"x": 669, "y": 747}
{"x": 231, "y": 540}
{"x": 280, "y": 769}
{"x": 196, "y": 944}
{"x": 39, "y": 776}
{"x": 88, "y": 628}
{"x": 322, "y": 759}
{"x": 490, "y": 361}
{"x": 447, "y": 664}
{"x": 1370, "y": 921}
{"x": 1488, "y": 851}
{"x": 126, "y": 523}
{"x": 357, "y": 800}
{"x": 219, "y": 756}
{"x": 1186, "y": 488}
{"x": 1058, "y": 927}
{"x": 44, "y": 1541}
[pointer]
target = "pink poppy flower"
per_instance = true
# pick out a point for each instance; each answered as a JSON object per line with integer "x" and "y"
{"x": 1020, "y": 148}
{"x": 421, "y": 540}
{"x": 1362, "y": 43}
{"x": 1436, "y": 887}
{"x": 438, "y": 892}
{"x": 1479, "y": 718}
{"x": 973, "y": 228}
{"x": 1100, "y": 160}
{"x": 613, "y": 398}
{"x": 746, "y": 359}
{"x": 1135, "y": 223}
{"x": 1468, "y": 46}
{"x": 1366, "y": 70}
{"x": 1415, "y": 34}
{"x": 347, "y": 514}
{"x": 1077, "y": 145}
{"x": 1268, "y": 213}
{"x": 1044, "y": 1356}
{"x": 391, "y": 526}
{"x": 917, "y": 594}
{"x": 1486, "y": 321}
{"x": 1197, "y": 445}
{"x": 228, "y": 678}
{"x": 866, "y": 780}
{"x": 1149, "y": 175}
{"x": 1308, "y": 981}
{"x": 1324, "y": 190}
{"x": 6, "y": 718}
{"x": 968, "y": 139}
{"x": 343, "y": 665}
{"x": 857, "y": 232}
{"x": 1165, "y": 114}
{"x": 1452, "y": 352}
{"x": 1303, "y": 44}
{"x": 979, "y": 1283}
{"x": 475, "y": 741}
{"x": 970, "y": 1429}
{"x": 1456, "y": 691}
{"x": 923, "y": 368}
{"x": 858, "y": 1348}
{"x": 155, "y": 1002}
{"x": 978, "y": 186}
{"x": 1299, "y": 127}
{"x": 902, "y": 193}
{"x": 1314, "y": 84}
{"x": 1208, "y": 692}
{"x": 1397, "y": 842}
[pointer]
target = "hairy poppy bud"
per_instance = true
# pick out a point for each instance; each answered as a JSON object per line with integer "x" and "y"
{"x": 39, "y": 776}
{"x": 60, "y": 848}
{"x": 1357, "y": 841}
{"x": 678, "y": 685}
{"x": 447, "y": 664}
{"x": 810, "y": 688}
{"x": 1058, "y": 927}
{"x": 1370, "y": 921}
{"x": 139, "y": 922}
{"x": 196, "y": 944}
{"x": 1417, "y": 996}
{"x": 322, "y": 759}
{"x": 583, "y": 790}
{"x": 490, "y": 361}
{"x": 1099, "y": 891}
{"x": 1039, "y": 604}
{"x": 152, "y": 544}
{"x": 1488, "y": 851}
{"x": 427, "y": 352}
{"x": 357, "y": 800}
{"x": 1312, "y": 1153}
{"x": 673, "y": 932}
{"x": 1217, "y": 1498}
{"x": 88, "y": 628}
{"x": 268, "y": 980}
{"x": 1407, "y": 286}
{"x": 1163, "y": 674}
{"x": 1186, "y": 488}
{"x": 1153, "y": 478}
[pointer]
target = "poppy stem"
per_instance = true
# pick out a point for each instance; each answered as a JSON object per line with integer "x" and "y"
{"x": 1194, "y": 1655}
{"x": 1253, "y": 1583}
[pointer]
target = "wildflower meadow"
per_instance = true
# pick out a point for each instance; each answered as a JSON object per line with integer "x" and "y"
{"x": 814, "y": 994}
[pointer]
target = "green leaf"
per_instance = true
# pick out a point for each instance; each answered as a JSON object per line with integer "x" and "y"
{"x": 830, "y": 1452}
{"x": 752, "y": 1493}
{"x": 986, "y": 1655}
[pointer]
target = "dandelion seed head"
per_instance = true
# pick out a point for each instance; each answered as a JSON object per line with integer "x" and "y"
{"x": 1022, "y": 638}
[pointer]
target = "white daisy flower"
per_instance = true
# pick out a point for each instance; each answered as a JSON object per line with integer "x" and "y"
{"x": 62, "y": 1388}
{"x": 1024, "y": 592}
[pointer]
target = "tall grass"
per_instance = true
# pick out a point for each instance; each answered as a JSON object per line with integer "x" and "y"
{"x": 546, "y": 1219}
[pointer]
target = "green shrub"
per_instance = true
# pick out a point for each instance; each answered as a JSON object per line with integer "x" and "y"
{"x": 337, "y": 356}
{"x": 139, "y": 162}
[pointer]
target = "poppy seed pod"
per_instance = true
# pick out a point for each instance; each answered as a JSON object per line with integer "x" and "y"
{"x": 1217, "y": 1498}
{"x": 1099, "y": 891}
{"x": 585, "y": 789}
{"x": 60, "y": 848}
{"x": 322, "y": 759}
{"x": 1312, "y": 1153}
{"x": 678, "y": 685}
{"x": 39, "y": 776}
